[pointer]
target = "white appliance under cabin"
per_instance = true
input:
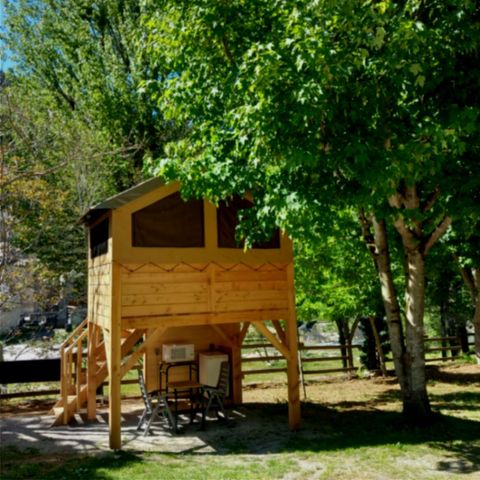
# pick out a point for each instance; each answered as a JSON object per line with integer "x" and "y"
{"x": 178, "y": 353}
{"x": 209, "y": 366}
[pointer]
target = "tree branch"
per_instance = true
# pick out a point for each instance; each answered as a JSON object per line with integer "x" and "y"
{"x": 368, "y": 237}
{"x": 430, "y": 201}
{"x": 32, "y": 175}
{"x": 468, "y": 278}
{"x": 409, "y": 239}
{"x": 437, "y": 233}
{"x": 228, "y": 52}
{"x": 396, "y": 200}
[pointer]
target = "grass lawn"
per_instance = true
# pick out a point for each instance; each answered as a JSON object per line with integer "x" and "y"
{"x": 351, "y": 429}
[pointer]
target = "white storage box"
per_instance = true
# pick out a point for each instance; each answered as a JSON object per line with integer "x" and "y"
{"x": 178, "y": 352}
{"x": 209, "y": 365}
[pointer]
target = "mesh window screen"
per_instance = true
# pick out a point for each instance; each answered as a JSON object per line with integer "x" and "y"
{"x": 170, "y": 222}
{"x": 99, "y": 239}
{"x": 227, "y": 221}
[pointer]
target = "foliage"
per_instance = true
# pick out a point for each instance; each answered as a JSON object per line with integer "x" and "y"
{"x": 335, "y": 278}
{"x": 302, "y": 102}
{"x": 314, "y": 106}
{"x": 53, "y": 168}
{"x": 89, "y": 56}
{"x": 447, "y": 300}
{"x": 369, "y": 357}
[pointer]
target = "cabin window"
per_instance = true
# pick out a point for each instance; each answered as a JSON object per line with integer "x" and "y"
{"x": 99, "y": 236}
{"x": 227, "y": 221}
{"x": 170, "y": 222}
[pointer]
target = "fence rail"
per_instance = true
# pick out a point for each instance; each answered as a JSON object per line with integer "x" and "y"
{"x": 8, "y": 369}
{"x": 346, "y": 356}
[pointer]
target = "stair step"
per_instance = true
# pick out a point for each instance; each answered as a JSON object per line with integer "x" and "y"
{"x": 79, "y": 419}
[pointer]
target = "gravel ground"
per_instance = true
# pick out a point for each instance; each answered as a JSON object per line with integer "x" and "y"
{"x": 29, "y": 429}
{"x": 260, "y": 425}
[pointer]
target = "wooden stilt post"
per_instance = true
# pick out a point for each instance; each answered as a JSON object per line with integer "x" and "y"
{"x": 115, "y": 363}
{"x": 91, "y": 372}
{"x": 292, "y": 361}
{"x": 150, "y": 365}
{"x": 237, "y": 370}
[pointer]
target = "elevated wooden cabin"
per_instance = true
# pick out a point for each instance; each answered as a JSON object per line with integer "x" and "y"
{"x": 163, "y": 270}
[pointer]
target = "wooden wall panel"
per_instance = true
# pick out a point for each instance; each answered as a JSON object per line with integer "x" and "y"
{"x": 166, "y": 289}
{"x": 99, "y": 292}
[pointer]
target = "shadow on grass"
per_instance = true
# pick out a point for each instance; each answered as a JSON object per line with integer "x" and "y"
{"x": 262, "y": 429}
{"x": 29, "y": 464}
{"x": 467, "y": 401}
{"x": 435, "y": 372}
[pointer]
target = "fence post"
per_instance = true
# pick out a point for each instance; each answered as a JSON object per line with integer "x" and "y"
{"x": 300, "y": 368}
{"x": 350, "y": 348}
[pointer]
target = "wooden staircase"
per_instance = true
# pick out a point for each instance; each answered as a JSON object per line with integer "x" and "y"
{"x": 82, "y": 349}
{"x": 74, "y": 354}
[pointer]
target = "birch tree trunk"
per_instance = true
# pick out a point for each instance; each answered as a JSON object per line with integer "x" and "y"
{"x": 390, "y": 301}
{"x": 416, "y": 245}
{"x": 409, "y": 350}
{"x": 377, "y": 244}
{"x": 416, "y": 405}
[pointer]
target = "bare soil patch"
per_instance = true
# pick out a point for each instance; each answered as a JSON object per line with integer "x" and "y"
{"x": 264, "y": 414}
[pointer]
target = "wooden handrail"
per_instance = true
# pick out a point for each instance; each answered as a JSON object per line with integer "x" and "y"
{"x": 79, "y": 329}
{"x": 74, "y": 341}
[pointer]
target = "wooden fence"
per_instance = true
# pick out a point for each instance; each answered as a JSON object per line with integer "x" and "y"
{"x": 450, "y": 349}
{"x": 39, "y": 371}
{"x": 345, "y": 356}
{"x": 19, "y": 372}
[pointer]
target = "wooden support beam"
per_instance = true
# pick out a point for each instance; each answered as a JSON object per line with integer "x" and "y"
{"x": 135, "y": 356}
{"x": 237, "y": 374}
{"x": 183, "y": 320}
{"x": 115, "y": 362}
{"x": 243, "y": 333}
{"x": 279, "y": 330}
{"x": 150, "y": 365}
{"x": 262, "y": 328}
{"x": 294, "y": 414}
{"x": 229, "y": 341}
{"x": 132, "y": 340}
{"x": 91, "y": 372}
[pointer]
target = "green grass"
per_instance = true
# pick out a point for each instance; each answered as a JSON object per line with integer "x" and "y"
{"x": 136, "y": 465}
{"x": 355, "y": 432}
{"x": 339, "y": 444}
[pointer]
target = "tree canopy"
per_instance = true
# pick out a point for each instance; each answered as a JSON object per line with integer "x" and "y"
{"x": 310, "y": 105}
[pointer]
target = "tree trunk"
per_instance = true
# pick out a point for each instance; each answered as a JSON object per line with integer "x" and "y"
{"x": 342, "y": 340}
{"x": 476, "y": 316}
{"x": 416, "y": 405}
{"x": 443, "y": 325}
{"x": 471, "y": 278}
{"x": 390, "y": 301}
{"x": 409, "y": 352}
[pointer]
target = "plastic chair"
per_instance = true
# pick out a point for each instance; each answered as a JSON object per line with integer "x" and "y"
{"x": 217, "y": 394}
{"x": 156, "y": 406}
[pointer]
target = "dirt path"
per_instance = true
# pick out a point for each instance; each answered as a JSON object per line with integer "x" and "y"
{"x": 264, "y": 415}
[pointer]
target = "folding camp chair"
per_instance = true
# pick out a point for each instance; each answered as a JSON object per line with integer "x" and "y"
{"x": 217, "y": 394}
{"x": 156, "y": 406}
